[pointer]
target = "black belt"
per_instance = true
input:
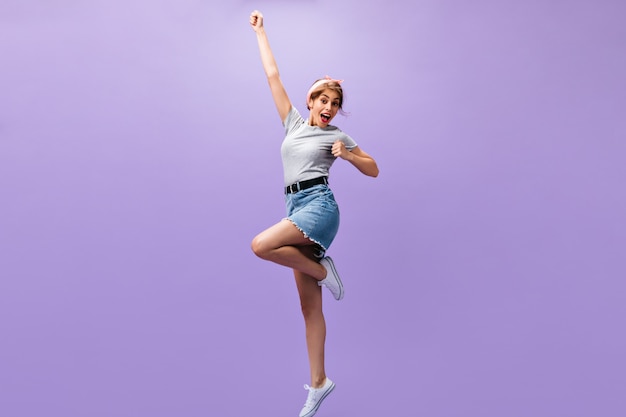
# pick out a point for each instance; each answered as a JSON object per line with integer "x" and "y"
{"x": 303, "y": 185}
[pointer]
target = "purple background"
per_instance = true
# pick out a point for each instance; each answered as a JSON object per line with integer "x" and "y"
{"x": 139, "y": 154}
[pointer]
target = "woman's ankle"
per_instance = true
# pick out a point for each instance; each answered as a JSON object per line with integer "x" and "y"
{"x": 318, "y": 382}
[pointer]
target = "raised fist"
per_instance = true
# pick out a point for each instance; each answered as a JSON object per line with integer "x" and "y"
{"x": 256, "y": 20}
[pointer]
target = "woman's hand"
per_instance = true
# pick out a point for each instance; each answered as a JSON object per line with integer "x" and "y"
{"x": 357, "y": 157}
{"x": 339, "y": 150}
{"x": 256, "y": 20}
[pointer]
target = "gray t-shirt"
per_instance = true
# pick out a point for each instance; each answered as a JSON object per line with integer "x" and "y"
{"x": 306, "y": 150}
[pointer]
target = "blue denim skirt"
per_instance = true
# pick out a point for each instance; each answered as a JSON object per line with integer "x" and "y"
{"x": 315, "y": 213}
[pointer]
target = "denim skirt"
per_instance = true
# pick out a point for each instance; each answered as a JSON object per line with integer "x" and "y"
{"x": 315, "y": 213}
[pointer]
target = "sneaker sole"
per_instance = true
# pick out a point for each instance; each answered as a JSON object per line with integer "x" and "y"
{"x": 336, "y": 275}
{"x": 317, "y": 406}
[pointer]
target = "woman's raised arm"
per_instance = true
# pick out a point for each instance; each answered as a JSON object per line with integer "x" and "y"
{"x": 283, "y": 105}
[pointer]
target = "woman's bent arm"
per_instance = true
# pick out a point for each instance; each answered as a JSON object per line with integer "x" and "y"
{"x": 357, "y": 157}
{"x": 283, "y": 105}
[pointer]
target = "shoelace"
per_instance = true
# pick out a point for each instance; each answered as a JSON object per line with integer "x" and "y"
{"x": 311, "y": 398}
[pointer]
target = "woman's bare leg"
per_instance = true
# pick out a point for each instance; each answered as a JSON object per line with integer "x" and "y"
{"x": 286, "y": 245}
{"x": 281, "y": 244}
{"x": 311, "y": 303}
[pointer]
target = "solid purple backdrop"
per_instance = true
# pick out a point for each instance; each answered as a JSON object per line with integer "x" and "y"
{"x": 139, "y": 154}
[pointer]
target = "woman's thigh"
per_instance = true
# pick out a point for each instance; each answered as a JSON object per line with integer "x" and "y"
{"x": 283, "y": 233}
{"x": 309, "y": 291}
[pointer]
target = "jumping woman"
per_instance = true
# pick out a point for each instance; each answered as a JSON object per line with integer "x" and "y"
{"x": 300, "y": 240}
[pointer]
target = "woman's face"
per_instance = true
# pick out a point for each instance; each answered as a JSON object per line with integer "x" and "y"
{"x": 324, "y": 108}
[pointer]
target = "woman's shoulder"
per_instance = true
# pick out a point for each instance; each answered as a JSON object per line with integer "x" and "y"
{"x": 293, "y": 119}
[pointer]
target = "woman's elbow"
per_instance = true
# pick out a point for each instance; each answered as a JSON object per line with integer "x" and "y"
{"x": 373, "y": 172}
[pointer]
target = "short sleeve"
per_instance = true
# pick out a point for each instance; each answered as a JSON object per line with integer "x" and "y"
{"x": 293, "y": 120}
{"x": 348, "y": 141}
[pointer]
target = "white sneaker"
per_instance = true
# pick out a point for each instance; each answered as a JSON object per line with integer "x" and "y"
{"x": 315, "y": 398}
{"x": 332, "y": 280}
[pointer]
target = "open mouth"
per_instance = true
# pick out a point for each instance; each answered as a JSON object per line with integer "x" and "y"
{"x": 325, "y": 117}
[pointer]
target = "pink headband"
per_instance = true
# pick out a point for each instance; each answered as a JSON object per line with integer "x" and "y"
{"x": 324, "y": 80}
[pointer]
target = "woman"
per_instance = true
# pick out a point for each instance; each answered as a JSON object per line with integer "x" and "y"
{"x": 300, "y": 241}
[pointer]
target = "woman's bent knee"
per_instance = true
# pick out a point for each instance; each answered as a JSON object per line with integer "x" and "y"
{"x": 259, "y": 248}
